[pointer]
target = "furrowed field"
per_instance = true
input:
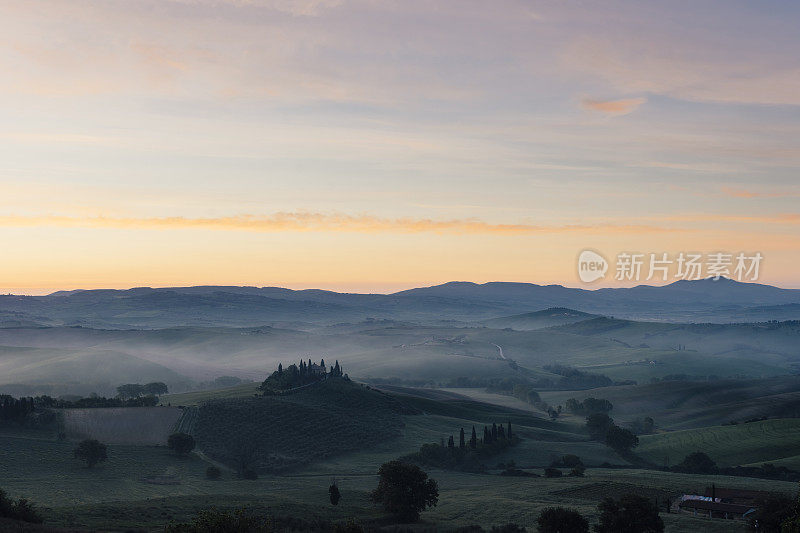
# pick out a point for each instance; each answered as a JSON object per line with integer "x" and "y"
{"x": 753, "y": 442}
{"x": 121, "y": 425}
{"x": 277, "y": 432}
{"x": 124, "y": 493}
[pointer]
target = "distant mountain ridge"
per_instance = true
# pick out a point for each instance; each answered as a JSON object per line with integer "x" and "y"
{"x": 722, "y": 300}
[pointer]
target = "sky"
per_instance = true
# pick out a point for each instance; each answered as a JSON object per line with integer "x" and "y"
{"x": 371, "y": 146}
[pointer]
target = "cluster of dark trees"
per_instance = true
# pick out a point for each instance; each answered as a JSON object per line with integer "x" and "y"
{"x": 569, "y": 461}
{"x": 572, "y": 378}
{"x": 466, "y": 454}
{"x": 181, "y": 443}
{"x": 569, "y": 379}
{"x": 297, "y": 375}
{"x": 685, "y": 377}
{"x": 776, "y": 514}
{"x": 602, "y": 428}
{"x": 629, "y": 514}
{"x": 589, "y": 406}
{"x": 527, "y": 393}
{"x": 95, "y": 401}
{"x": 404, "y": 490}
{"x": 136, "y": 390}
{"x": 20, "y": 509}
{"x": 15, "y": 409}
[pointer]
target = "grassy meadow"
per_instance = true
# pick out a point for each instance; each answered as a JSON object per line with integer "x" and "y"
{"x": 120, "y": 495}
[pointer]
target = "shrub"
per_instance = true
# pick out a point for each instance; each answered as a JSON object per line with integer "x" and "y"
{"x": 697, "y": 463}
{"x": 552, "y": 472}
{"x": 562, "y": 520}
{"x": 334, "y": 493}
{"x": 21, "y": 509}
{"x": 629, "y": 514}
{"x": 181, "y": 443}
{"x": 91, "y": 451}
{"x": 577, "y": 471}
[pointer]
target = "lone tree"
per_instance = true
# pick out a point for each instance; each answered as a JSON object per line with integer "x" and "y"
{"x": 562, "y": 520}
{"x": 597, "y": 424}
{"x": 91, "y": 451}
{"x": 629, "y": 514}
{"x": 404, "y": 490}
{"x": 697, "y": 463}
{"x": 130, "y": 390}
{"x": 155, "y": 388}
{"x": 620, "y": 440}
{"x": 181, "y": 443}
{"x": 333, "y": 490}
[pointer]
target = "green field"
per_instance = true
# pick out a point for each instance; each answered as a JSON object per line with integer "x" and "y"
{"x": 694, "y": 404}
{"x": 112, "y": 495}
{"x": 754, "y": 442}
{"x": 291, "y": 429}
{"x": 121, "y": 425}
{"x": 120, "y": 494}
{"x": 198, "y": 397}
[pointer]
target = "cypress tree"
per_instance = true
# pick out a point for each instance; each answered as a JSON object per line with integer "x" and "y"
{"x": 509, "y": 430}
{"x": 487, "y": 437}
{"x": 473, "y": 441}
{"x": 461, "y": 443}
{"x": 280, "y": 369}
{"x": 450, "y": 442}
{"x": 494, "y": 432}
{"x": 501, "y": 432}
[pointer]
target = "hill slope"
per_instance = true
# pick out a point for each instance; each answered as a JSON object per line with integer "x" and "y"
{"x": 272, "y": 433}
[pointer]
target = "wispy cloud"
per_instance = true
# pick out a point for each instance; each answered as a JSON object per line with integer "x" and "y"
{"x": 307, "y": 8}
{"x": 319, "y": 222}
{"x": 780, "y": 218}
{"x": 614, "y": 107}
{"x": 748, "y": 193}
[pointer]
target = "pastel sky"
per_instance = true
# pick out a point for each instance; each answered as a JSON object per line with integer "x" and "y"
{"x": 371, "y": 145}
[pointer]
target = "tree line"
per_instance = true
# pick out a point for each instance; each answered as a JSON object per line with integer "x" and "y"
{"x": 136, "y": 390}
{"x": 466, "y": 453}
{"x": 15, "y": 409}
{"x": 297, "y": 375}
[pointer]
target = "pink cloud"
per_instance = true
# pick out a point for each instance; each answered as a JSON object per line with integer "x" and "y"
{"x": 613, "y": 107}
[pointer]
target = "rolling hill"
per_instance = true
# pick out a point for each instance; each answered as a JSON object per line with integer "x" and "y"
{"x": 683, "y": 301}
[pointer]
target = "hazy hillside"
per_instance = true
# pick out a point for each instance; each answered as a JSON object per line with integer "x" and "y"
{"x": 385, "y": 349}
{"x": 554, "y": 316}
{"x": 274, "y": 433}
{"x": 683, "y": 301}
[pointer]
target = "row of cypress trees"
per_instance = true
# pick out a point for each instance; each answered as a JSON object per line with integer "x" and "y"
{"x": 495, "y": 434}
{"x": 297, "y": 375}
{"x": 15, "y": 408}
